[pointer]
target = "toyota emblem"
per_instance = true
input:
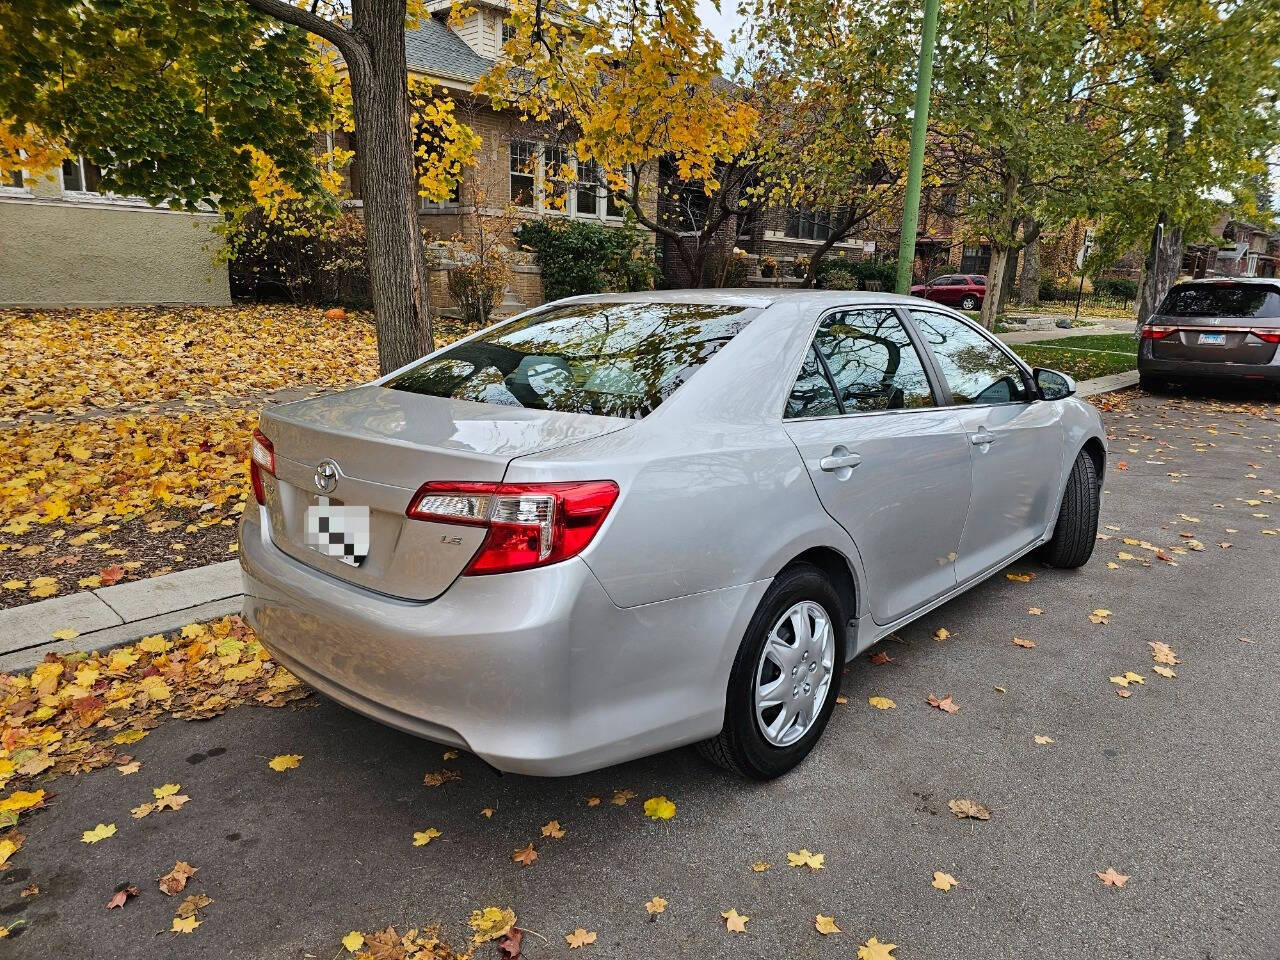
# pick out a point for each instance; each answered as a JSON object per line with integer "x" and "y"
{"x": 326, "y": 477}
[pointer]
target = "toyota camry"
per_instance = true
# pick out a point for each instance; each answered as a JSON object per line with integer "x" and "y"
{"x": 621, "y": 523}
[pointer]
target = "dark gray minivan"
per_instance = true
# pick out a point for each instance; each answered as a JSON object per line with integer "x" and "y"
{"x": 1221, "y": 329}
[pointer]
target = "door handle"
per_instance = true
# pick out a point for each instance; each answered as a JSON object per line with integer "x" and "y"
{"x": 982, "y": 438}
{"x": 839, "y": 459}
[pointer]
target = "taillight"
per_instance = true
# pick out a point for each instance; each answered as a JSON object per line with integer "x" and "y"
{"x": 1157, "y": 333}
{"x": 262, "y": 456}
{"x": 529, "y": 524}
{"x": 1267, "y": 336}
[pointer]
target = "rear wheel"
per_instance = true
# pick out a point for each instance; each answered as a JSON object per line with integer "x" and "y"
{"x": 1152, "y": 384}
{"x": 1077, "y": 527}
{"x": 970, "y": 302}
{"x": 785, "y": 678}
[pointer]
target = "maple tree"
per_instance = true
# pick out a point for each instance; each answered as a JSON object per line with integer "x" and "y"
{"x": 1195, "y": 122}
{"x": 844, "y": 81}
{"x": 636, "y": 87}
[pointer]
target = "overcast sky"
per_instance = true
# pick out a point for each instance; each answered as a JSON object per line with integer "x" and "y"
{"x": 720, "y": 23}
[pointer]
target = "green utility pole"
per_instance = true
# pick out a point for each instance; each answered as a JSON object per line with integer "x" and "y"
{"x": 919, "y": 130}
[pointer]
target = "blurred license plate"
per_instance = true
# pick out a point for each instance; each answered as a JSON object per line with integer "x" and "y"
{"x": 1216, "y": 339}
{"x": 338, "y": 530}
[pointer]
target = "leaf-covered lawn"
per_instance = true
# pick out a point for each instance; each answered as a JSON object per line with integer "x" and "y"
{"x": 125, "y": 432}
{"x": 1083, "y": 357}
{"x": 71, "y": 361}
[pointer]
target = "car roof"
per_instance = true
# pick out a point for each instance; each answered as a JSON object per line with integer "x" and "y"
{"x": 1227, "y": 281}
{"x": 749, "y": 297}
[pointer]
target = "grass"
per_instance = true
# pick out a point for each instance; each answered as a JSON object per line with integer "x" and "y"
{"x": 1093, "y": 355}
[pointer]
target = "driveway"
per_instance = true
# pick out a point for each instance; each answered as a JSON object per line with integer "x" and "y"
{"x": 1174, "y": 786}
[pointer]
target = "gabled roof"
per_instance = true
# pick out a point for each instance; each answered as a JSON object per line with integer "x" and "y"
{"x": 437, "y": 51}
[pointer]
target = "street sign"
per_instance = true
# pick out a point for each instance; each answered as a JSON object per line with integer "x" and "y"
{"x": 1087, "y": 249}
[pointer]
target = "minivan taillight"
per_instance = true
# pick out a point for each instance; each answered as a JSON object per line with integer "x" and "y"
{"x": 262, "y": 457}
{"x": 529, "y": 524}
{"x": 1150, "y": 332}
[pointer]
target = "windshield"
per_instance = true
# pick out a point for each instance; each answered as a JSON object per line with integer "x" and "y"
{"x": 608, "y": 359}
{"x": 1228, "y": 300}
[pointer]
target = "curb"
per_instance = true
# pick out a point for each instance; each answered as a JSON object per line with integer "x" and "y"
{"x": 110, "y": 616}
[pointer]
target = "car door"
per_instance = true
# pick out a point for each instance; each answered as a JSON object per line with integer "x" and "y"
{"x": 1016, "y": 440}
{"x": 889, "y": 463}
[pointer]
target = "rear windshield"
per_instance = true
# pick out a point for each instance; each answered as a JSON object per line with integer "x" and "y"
{"x": 1235, "y": 300}
{"x": 609, "y": 359}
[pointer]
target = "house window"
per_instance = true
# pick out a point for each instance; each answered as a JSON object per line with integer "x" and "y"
{"x": 557, "y": 173}
{"x": 80, "y": 176}
{"x": 806, "y": 224}
{"x": 524, "y": 165}
{"x": 13, "y": 180}
{"x": 588, "y": 189}
{"x": 508, "y": 33}
{"x": 976, "y": 259}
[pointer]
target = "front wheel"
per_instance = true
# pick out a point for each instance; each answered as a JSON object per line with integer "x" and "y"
{"x": 785, "y": 679}
{"x": 1077, "y": 527}
{"x": 969, "y": 303}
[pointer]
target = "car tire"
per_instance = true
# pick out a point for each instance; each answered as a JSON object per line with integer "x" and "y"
{"x": 970, "y": 303}
{"x": 1152, "y": 384}
{"x": 741, "y": 745}
{"x": 1077, "y": 528}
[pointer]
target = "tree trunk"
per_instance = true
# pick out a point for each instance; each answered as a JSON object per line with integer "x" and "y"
{"x": 380, "y": 105}
{"x": 1029, "y": 281}
{"x": 994, "y": 299}
{"x": 1161, "y": 269}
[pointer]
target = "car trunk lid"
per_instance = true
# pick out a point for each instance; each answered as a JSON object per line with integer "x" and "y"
{"x": 352, "y": 461}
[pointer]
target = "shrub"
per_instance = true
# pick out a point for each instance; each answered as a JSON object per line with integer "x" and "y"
{"x": 477, "y": 280}
{"x": 579, "y": 257}
{"x": 297, "y": 255}
{"x": 839, "y": 279}
{"x": 1118, "y": 288}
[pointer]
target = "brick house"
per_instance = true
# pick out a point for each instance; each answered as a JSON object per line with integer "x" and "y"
{"x": 514, "y": 170}
{"x": 1245, "y": 250}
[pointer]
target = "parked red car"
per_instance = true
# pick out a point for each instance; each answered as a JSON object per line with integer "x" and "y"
{"x": 962, "y": 290}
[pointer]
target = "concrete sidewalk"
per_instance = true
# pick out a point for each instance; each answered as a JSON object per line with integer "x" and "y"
{"x": 110, "y": 616}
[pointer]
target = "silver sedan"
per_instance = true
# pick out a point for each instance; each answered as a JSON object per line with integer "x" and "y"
{"x": 622, "y": 523}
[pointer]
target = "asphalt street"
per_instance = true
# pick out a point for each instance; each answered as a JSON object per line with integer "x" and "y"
{"x": 1176, "y": 786}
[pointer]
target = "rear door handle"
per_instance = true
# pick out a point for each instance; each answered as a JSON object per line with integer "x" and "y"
{"x": 982, "y": 438}
{"x": 839, "y": 459}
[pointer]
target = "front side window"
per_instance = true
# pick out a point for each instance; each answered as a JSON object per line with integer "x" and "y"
{"x": 608, "y": 359}
{"x": 976, "y": 370}
{"x": 870, "y": 365}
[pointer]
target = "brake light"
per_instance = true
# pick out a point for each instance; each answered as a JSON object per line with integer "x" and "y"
{"x": 262, "y": 456}
{"x": 529, "y": 524}
{"x": 1267, "y": 336}
{"x": 1157, "y": 333}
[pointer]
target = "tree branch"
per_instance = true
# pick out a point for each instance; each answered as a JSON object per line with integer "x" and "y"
{"x": 343, "y": 39}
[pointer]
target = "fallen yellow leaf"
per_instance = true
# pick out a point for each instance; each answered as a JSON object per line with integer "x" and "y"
{"x": 659, "y": 808}
{"x": 284, "y": 761}
{"x": 825, "y": 925}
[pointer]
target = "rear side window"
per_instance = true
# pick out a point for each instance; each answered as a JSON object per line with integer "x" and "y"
{"x": 1228, "y": 300}
{"x": 862, "y": 361}
{"x": 608, "y": 359}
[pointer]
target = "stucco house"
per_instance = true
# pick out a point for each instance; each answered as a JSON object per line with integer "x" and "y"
{"x": 66, "y": 243}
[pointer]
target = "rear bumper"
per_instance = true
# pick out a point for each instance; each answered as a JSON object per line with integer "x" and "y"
{"x": 536, "y": 672}
{"x": 1175, "y": 369}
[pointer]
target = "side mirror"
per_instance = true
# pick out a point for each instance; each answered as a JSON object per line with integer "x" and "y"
{"x": 1052, "y": 384}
